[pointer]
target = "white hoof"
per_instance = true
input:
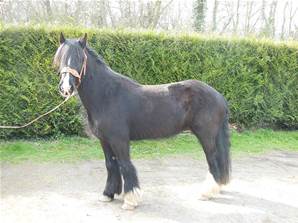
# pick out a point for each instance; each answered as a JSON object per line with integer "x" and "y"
{"x": 209, "y": 188}
{"x": 132, "y": 199}
{"x": 119, "y": 196}
{"x": 104, "y": 198}
{"x": 128, "y": 207}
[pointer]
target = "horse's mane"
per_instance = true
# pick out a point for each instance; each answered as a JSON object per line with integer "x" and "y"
{"x": 98, "y": 57}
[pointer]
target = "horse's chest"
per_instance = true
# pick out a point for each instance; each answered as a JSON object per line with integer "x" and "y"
{"x": 97, "y": 124}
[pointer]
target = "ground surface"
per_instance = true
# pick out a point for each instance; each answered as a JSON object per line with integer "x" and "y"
{"x": 264, "y": 189}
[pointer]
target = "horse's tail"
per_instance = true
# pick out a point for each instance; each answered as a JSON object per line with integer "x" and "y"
{"x": 222, "y": 146}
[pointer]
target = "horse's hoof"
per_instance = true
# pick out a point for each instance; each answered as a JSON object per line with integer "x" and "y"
{"x": 209, "y": 188}
{"x": 119, "y": 196}
{"x": 126, "y": 206}
{"x": 210, "y": 193}
{"x": 132, "y": 199}
{"x": 104, "y": 198}
{"x": 203, "y": 197}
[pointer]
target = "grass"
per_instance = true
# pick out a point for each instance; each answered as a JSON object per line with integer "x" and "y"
{"x": 69, "y": 149}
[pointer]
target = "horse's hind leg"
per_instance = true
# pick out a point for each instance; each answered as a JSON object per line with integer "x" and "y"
{"x": 209, "y": 187}
{"x": 132, "y": 190}
{"x": 215, "y": 142}
{"x": 114, "y": 181}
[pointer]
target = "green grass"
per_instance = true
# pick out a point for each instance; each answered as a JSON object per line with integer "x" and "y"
{"x": 69, "y": 149}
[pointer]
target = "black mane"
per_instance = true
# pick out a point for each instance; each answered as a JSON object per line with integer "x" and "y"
{"x": 99, "y": 59}
{"x": 96, "y": 55}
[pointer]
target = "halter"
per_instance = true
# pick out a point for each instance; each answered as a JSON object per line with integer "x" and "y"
{"x": 75, "y": 73}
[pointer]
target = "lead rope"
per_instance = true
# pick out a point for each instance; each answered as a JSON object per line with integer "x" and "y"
{"x": 67, "y": 69}
{"x": 39, "y": 117}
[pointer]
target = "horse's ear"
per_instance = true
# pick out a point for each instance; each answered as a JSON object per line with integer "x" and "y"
{"x": 62, "y": 39}
{"x": 83, "y": 41}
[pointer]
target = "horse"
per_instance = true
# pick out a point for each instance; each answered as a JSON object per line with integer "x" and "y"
{"x": 120, "y": 109}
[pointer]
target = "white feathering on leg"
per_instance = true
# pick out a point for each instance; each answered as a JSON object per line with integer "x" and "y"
{"x": 132, "y": 199}
{"x": 209, "y": 188}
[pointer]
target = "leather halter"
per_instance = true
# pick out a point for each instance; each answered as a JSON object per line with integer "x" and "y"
{"x": 74, "y": 72}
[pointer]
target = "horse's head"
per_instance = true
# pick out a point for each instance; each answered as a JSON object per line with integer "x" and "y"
{"x": 70, "y": 60}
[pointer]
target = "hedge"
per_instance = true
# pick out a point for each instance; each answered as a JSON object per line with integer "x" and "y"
{"x": 259, "y": 78}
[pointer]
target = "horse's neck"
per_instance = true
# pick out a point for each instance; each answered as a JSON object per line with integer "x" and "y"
{"x": 100, "y": 84}
{"x": 94, "y": 85}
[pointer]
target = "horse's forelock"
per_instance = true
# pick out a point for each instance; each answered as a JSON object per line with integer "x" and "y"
{"x": 61, "y": 51}
{"x": 58, "y": 56}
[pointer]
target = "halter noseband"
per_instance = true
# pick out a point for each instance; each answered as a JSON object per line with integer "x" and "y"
{"x": 75, "y": 73}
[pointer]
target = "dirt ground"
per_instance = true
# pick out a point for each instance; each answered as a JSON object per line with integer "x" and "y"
{"x": 264, "y": 189}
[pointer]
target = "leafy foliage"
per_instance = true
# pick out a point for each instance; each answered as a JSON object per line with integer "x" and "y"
{"x": 258, "y": 78}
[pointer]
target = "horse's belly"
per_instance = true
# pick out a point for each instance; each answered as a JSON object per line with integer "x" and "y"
{"x": 157, "y": 126}
{"x": 153, "y": 133}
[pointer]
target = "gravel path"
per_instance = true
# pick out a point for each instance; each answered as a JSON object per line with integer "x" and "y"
{"x": 264, "y": 189}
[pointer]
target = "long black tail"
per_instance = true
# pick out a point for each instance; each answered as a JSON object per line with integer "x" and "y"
{"x": 222, "y": 171}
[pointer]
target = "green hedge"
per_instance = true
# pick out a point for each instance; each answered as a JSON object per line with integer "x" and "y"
{"x": 258, "y": 78}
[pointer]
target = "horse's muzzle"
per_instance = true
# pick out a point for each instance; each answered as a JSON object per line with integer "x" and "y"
{"x": 66, "y": 92}
{"x": 67, "y": 85}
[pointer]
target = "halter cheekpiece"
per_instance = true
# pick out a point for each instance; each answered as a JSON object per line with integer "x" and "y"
{"x": 75, "y": 73}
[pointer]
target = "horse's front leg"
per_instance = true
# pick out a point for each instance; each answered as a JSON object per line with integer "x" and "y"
{"x": 114, "y": 181}
{"x": 133, "y": 194}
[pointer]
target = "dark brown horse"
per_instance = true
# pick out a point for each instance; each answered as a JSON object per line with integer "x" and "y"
{"x": 120, "y": 109}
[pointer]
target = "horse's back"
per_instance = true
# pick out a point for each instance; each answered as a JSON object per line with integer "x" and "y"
{"x": 199, "y": 100}
{"x": 189, "y": 96}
